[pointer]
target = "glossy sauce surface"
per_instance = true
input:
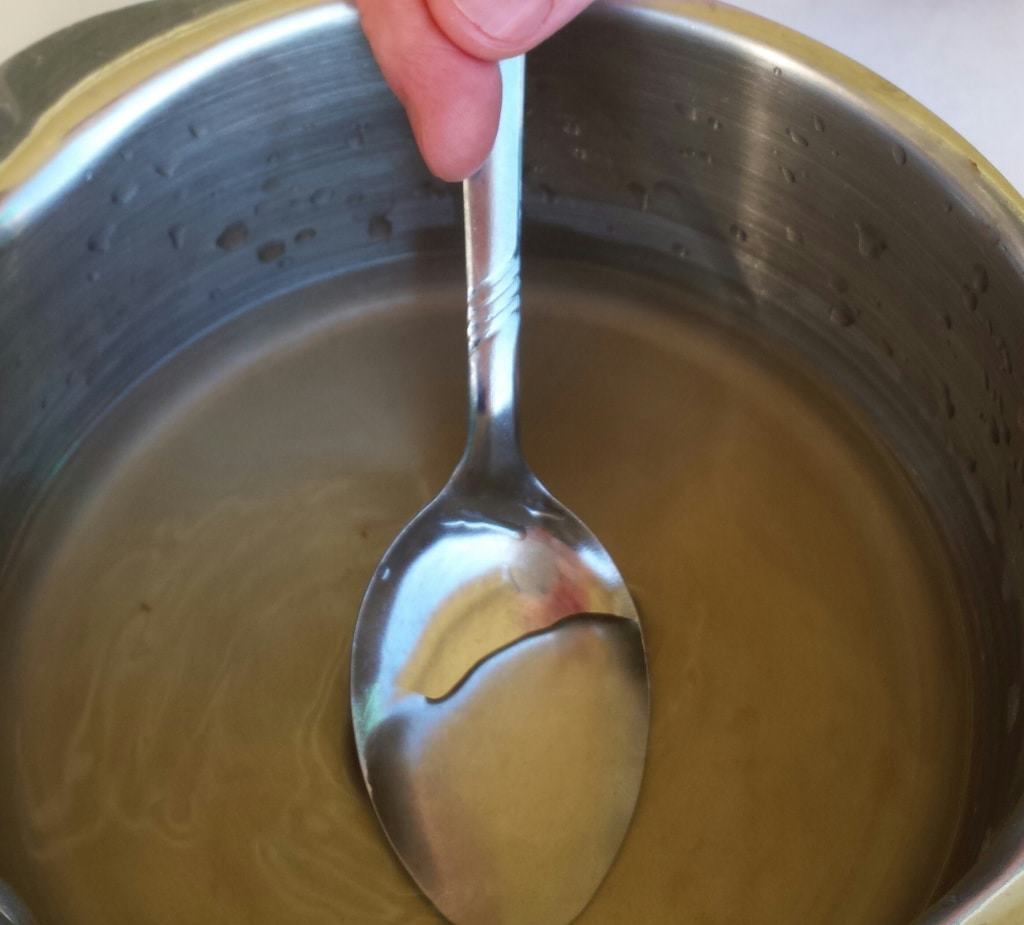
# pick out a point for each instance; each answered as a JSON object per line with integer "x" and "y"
{"x": 508, "y": 792}
{"x": 175, "y": 743}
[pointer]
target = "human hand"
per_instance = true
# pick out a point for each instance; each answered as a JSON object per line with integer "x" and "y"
{"x": 440, "y": 57}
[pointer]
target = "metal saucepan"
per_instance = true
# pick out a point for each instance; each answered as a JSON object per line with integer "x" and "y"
{"x": 170, "y": 167}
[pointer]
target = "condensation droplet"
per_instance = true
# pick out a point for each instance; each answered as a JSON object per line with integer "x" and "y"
{"x": 706, "y": 157}
{"x": 693, "y": 114}
{"x": 788, "y": 174}
{"x": 970, "y": 298}
{"x": 947, "y": 402}
{"x": 793, "y": 235}
{"x": 379, "y": 228}
{"x": 739, "y": 233}
{"x": 899, "y": 154}
{"x": 640, "y": 195}
{"x": 797, "y": 138}
{"x": 271, "y": 185}
{"x": 436, "y": 189}
{"x": 305, "y": 236}
{"x": 1005, "y": 360}
{"x": 580, "y": 154}
{"x": 947, "y": 320}
{"x": 101, "y": 241}
{"x": 993, "y": 432}
{"x": 572, "y": 129}
{"x": 271, "y": 252}
{"x": 196, "y": 130}
{"x": 321, "y": 197}
{"x": 358, "y": 139}
{"x": 669, "y": 195}
{"x": 547, "y": 193}
{"x": 715, "y": 123}
{"x": 819, "y": 124}
{"x": 166, "y": 169}
{"x": 94, "y": 276}
{"x": 777, "y": 71}
{"x": 834, "y": 152}
{"x": 235, "y": 236}
{"x": 870, "y": 243}
{"x": 177, "y": 236}
{"x": 678, "y": 250}
{"x": 842, "y": 315}
{"x": 979, "y": 279}
{"x": 124, "y": 194}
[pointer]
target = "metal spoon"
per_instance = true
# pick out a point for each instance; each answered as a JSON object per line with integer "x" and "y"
{"x": 499, "y": 682}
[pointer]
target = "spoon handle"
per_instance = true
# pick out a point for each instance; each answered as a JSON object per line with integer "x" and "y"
{"x": 493, "y": 198}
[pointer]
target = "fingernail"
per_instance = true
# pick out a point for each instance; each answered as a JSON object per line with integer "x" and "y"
{"x": 506, "y": 20}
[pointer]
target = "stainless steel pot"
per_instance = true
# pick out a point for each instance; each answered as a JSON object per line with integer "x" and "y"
{"x": 142, "y": 150}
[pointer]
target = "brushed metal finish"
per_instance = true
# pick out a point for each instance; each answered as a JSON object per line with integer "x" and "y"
{"x": 700, "y": 142}
{"x": 12, "y": 909}
{"x": 482, "y": 602}
{"x": 492, "y": 205}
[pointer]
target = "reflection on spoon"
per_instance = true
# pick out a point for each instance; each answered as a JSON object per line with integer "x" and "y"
{"x": 492, "y": 787}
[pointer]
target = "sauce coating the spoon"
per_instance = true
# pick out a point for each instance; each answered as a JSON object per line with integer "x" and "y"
{"x": 496, "y": 781}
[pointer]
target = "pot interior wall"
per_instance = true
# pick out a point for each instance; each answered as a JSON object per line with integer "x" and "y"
{"x": 677, "y": 152}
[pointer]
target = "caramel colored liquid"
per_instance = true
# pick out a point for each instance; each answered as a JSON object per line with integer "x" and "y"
{"x": 175, "y": 744}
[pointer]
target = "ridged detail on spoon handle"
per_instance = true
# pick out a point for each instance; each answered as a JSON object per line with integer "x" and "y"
{"x": 494, "y": 303}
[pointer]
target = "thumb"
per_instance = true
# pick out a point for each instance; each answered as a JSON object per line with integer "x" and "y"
{"x": 493, "y": 29}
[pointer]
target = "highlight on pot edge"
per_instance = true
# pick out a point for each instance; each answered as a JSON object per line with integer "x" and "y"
{"x": 288, "y": 636}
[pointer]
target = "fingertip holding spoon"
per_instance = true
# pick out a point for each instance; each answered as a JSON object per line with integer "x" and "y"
{"x": 499, "y": 695}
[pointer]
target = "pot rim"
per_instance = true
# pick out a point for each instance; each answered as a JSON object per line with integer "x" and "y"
{"x": 52, "y": 146}
{"x": 139, "y": 62}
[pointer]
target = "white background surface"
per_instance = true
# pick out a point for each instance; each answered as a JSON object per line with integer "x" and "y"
{"x": 964, "y": 59}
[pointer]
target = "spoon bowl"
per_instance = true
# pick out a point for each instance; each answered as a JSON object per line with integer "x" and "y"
{"x": 499, "y": 680}
{"x": 500, "y": 705}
